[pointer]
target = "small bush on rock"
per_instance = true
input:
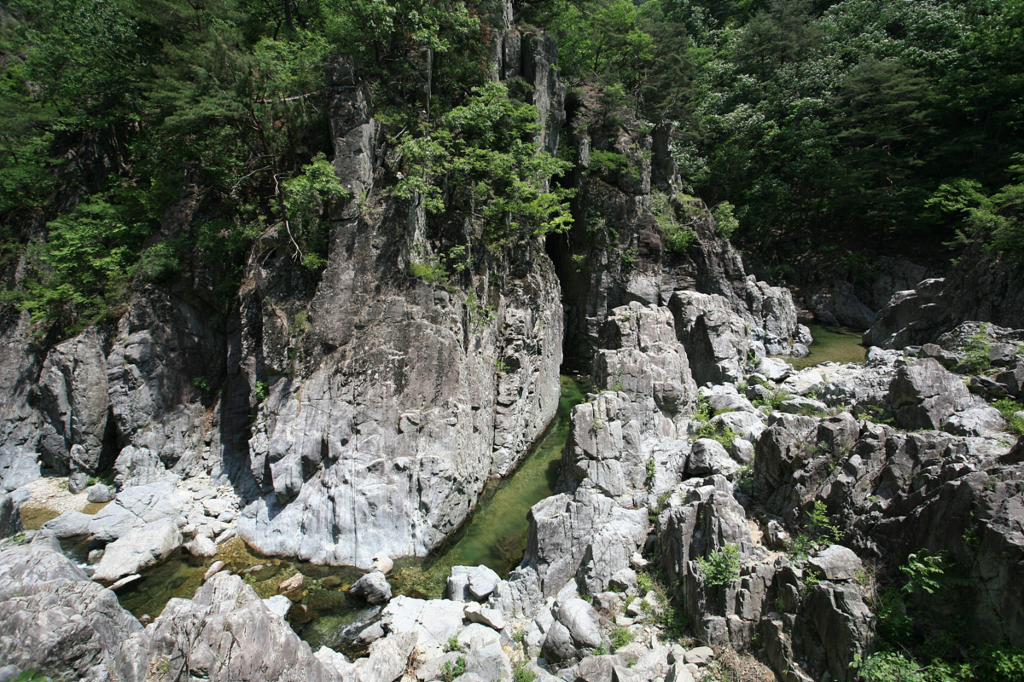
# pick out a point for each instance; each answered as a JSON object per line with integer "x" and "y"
{"x": 721, "y": 567}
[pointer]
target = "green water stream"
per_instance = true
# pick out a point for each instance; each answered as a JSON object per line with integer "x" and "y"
{"x": 835, "y": 344}
{"x": 496, "y": 536}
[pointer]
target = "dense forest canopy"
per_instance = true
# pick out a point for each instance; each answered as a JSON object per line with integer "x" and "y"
{"x": 835, "y": 129}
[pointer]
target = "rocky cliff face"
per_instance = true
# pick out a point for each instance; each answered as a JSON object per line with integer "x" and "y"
{"x": 616, "y": 253}
{"x": 354, "y": 413}
{"x": 975, "y": 289}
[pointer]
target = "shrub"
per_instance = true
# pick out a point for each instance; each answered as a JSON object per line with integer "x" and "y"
{"x": 976, "y": 352}
{"x": 451, "y": 672}
{"x": 721, "y": 567}
{"x": 621, "y": 637}
{"x": 521, "y": 673}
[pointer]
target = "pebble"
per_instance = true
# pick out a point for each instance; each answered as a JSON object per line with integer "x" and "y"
{"x": 213, "y": 570}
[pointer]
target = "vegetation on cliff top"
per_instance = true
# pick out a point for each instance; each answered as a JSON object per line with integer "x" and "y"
{"x": 825, "y": 127}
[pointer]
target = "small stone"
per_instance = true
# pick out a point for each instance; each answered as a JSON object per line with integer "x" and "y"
{"x": 291, "y": 584}
{"x": 837, "y": 563}
{"x": 95, "y": 556}
{"x": 373, "y": 587}
{"x": 492, "y": 618}
{"x": 213, "y": 570}
{"x": 278, "y": 604}
{"x": 679, "y": 673}
{"x": 202, "y": 547}
{"x": 699, "y": 655}
{"x": 125, "y": 580}
{"x": 99, "y": 493}
{"x": 382, "y": 562}
{"x": 482, "y": 581}
{"x": 226, "y": 535}
{"x": 370, "y": 634}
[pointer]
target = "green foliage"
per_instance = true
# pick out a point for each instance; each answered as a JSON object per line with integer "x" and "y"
{"x": 451, "y": 672}
{"x": 773, "y": 400}
{"x": 630, "y": 257}
{"x": 820, "y": 526}
{"x": 645, "y": 582}
{"x": 600, "y": 650}
{"x": 520, "y": 673}
{"x": 621, "y": 637}
{"x": 1009, "y": 409}
{"x": 84, "y": 269}
{"x": 262, "y": 391}
{"x": 452, "y": 644}
{"x": 677, "y": 236}
{"x": 650, "y": 467}
{"x": 720, "y": 567}
{"x": 481, "y": 158}
{"x": 975, "y": 350}
{"x": 203, "y": 384}
{"x": 31, "y": 676}
{"x": 307, "y": 199}
{"x": 725, "y": 221}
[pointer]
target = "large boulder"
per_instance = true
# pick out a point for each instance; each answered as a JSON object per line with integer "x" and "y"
{"x": 716, "y": 338}
{"x": 138, "y": 549}
{"x": 924, "y": 394}
{"x": 10, "y": 519}
{"x": 226, "y": 633}
{"x": 57, "y": 622}
{"x": 373, "y": 587}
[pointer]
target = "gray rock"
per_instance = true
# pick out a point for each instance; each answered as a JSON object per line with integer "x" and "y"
{"x": 844, "y": 624}
{"x": 56, "y": 621}
{"x": 747, "y": 424}
{"x": 138, "y": 506}
{"x": 137, "y": 550}
{"x": 75, "y": 407}
{"x": 801, "y": 405}
{"x": 805, "y": 382}
{"x": 597, "y": 668}
{"x": 388, "y": 658}
{"x": 492, "y": 618}
{"x": 975, "y": 421}
{"x": 10, "y": 519}
{"x": 370, "y": 634}
{"x": 488, "y": 660}
{"x": 710, "y": 457}
{"x": 99, "y": 493}
{"x": 699, "y": 655}
{"x": 202, "y": 547}
{"x": 624, "y": 579}
{"x": 278, "y": 604}
{"x": 382, "y": 562}
{"x": 482, "y": 581}
{"x": 558, "y": 644}
{"x": 775, "y": 369}
{"x": 581, "y": 620}
{"x": 924, "y": 394}
{"x": 127, "y": 580}
{"x": 679, "y": 673}
{"x": 225, "y": 632}
{"x": 944, "y": 357}
{"x": 457, "y": 585}
{"x": 837, "y": 563}
{"x": 215, "y": 568}
{"x": 434, "y": 622}
{"x": 373, "y": 587}
{"x": 715, "y": 337}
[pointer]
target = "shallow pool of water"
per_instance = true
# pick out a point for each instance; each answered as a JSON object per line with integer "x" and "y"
{"x": 831, "y": 344}
{"x": 496, "y": 536}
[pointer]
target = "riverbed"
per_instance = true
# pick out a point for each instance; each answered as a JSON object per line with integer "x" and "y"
{"x": 831, "y": 344}
{"x": 324, "y": 614}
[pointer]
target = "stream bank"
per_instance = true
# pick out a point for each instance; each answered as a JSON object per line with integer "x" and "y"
{"x": 496, "y": 536}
